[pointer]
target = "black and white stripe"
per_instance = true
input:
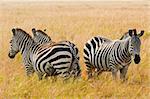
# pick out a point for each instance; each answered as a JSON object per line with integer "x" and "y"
{"x": 42, "y": 38}
{"x": 106, "y": 55}
{"x": 22, "y": 42}
{"x": 53, "y": 59}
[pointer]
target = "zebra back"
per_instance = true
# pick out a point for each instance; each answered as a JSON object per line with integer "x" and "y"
{"x": 91, "y": 47}
{"x": 124, "y": 36}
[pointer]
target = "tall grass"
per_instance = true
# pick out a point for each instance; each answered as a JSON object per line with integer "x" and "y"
{"x": 76, "y": 22}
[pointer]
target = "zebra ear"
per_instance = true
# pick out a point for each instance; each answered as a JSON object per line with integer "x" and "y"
{"x": 142, "y": 32}
{"x": 13, "y": 31}
{"x": 44, "y": 30}
{"x": 34, "y": 31}
{"x": 134, "y": 31}
{"x": 130, "y": 32}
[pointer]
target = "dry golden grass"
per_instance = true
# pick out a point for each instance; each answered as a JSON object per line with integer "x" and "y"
{"x": 76, "y": 22}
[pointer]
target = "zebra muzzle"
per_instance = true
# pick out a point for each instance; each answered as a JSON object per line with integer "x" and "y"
{"x": 137, "y": 59}
{"x": 11, "y": 56}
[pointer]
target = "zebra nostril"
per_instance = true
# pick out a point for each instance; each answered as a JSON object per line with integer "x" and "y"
{"x": 137, "y": 59}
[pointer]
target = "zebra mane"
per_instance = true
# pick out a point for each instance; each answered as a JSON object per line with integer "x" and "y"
{"x": 42, "y": 32}
{"x": 125, "y": 34}
{"x": 23, "y": 32}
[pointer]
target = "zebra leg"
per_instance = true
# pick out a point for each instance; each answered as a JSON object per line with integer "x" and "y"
{"x": 65, "y": 75}
{"x": 50, "y": 73}
{"x": 97, "y": 72}
{"x": 77, "y": 70}
{"x": 78, "y": 74}
{"x": 114, "y": 74}
{"x": 89, "y": 71}
{"x": 75, "y": 74}
{"x": 29, "y": 70}
{"x": 123, "y": 72}
{"x": 46, "y": 76}
{"x": 113, "y": 70}
{"x": 40, "y": 76}
{"x": 28, "y": 66}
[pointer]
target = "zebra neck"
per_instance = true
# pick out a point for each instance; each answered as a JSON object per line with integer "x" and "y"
{"x": 125, "y": 47}
{"x": 35, "y": 47}
{"x": 25, "y": 48}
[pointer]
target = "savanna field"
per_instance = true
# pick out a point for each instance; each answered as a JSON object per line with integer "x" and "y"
{"x": 77, "y": 22}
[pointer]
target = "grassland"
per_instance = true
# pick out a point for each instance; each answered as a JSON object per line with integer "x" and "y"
{"x": 77, "y": 22}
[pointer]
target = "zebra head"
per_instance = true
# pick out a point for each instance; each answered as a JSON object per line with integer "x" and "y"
{"x": 134, "y": 44}
{"x": 40, "y": 37}
{"x": 14, "y": 49}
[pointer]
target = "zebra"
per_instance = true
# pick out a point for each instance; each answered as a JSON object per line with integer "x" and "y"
{"x": 42, "y": 38}
{"x": 51, "y": 60}
{"x": 22, "y": 45}
{"x": 112, "y": 55}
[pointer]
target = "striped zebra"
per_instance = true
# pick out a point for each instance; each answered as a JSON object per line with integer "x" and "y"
{"x": 42, "y": 38}
{"x": 51, "y": 60}
{"x": 112, "y": 55}
{"x": 19, "y": 43}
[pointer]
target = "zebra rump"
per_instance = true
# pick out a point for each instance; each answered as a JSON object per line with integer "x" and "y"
{"x": 41, "y": 37}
